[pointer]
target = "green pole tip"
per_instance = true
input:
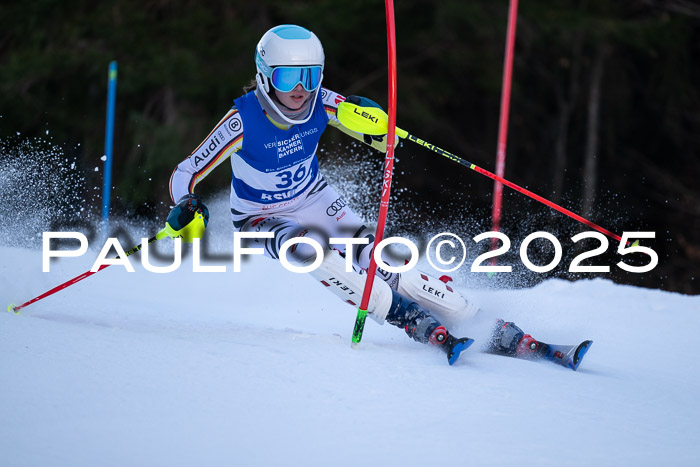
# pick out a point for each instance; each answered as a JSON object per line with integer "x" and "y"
{"x": 11, "y": 308}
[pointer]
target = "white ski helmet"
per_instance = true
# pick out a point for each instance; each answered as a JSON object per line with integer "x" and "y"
{"x": 286, "y": 56}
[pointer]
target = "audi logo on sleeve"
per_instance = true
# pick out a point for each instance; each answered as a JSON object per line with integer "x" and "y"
{"x": 335, "y": 207}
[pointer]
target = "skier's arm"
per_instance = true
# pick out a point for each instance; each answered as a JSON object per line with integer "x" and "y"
{"x": 224, "y": 139}
{"x": 330, "y": 102}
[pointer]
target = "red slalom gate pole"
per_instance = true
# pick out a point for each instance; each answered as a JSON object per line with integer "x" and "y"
{"x": 388, "y": 173}
{"x": 503, "y": 124}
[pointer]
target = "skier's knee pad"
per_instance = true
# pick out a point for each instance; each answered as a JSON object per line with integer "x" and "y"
{"x": 349, "y": 286}
{"x": 435, "y": 295}
{"x": 505, "y": 338}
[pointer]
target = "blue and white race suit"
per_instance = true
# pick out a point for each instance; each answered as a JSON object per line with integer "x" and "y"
{"x": 276, "y": 185}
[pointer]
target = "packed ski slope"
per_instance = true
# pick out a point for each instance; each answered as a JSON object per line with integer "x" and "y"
{"x": 255, "y": 369}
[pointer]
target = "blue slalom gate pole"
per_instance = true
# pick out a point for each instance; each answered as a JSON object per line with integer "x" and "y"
{"x": 109, "y": 139}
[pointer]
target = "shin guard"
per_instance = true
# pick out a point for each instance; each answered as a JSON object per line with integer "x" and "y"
{"x": 435, "y": 295}
{"x": 349, "y": 286}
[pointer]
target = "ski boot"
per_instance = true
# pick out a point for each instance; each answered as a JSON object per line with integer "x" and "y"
{"x": 422, "y": 327}
{"x": 508, "y": 339}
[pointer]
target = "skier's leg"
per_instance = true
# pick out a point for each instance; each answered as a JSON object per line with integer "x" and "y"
{"x": 384, "y": 304}
{"x": 328, "y": 212}
{"x": 325, "y": 211}
{"x": 348, "y": 286}
{"x": 388, "y": 305}
{"x": 433, "y": 294}
{"x": 324, "y": 215}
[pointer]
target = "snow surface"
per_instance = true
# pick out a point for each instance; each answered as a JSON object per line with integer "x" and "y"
{"x": 255, "y": 369}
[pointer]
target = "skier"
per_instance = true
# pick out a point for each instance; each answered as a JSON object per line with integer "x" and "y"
{"x": 271, "y": 135}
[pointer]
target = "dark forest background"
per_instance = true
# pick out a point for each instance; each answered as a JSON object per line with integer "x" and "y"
{"x": 605, "y": 110}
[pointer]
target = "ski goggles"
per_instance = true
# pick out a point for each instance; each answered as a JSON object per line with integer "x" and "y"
{"x": 286, "y": 78}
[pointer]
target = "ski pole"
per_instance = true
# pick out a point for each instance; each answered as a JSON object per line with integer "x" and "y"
{"x": 388, "y": 172}
{"x": 15, "y": 308}
{"x": 373, "y": 121}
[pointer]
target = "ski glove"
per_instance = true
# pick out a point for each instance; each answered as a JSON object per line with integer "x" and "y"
{"x": 362, "y": 102}
{"x": 188, "y": 219}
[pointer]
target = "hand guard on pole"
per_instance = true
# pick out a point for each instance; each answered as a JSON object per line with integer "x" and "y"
{"x": 188, "y": 219}
{"x": 359, "y": 103}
